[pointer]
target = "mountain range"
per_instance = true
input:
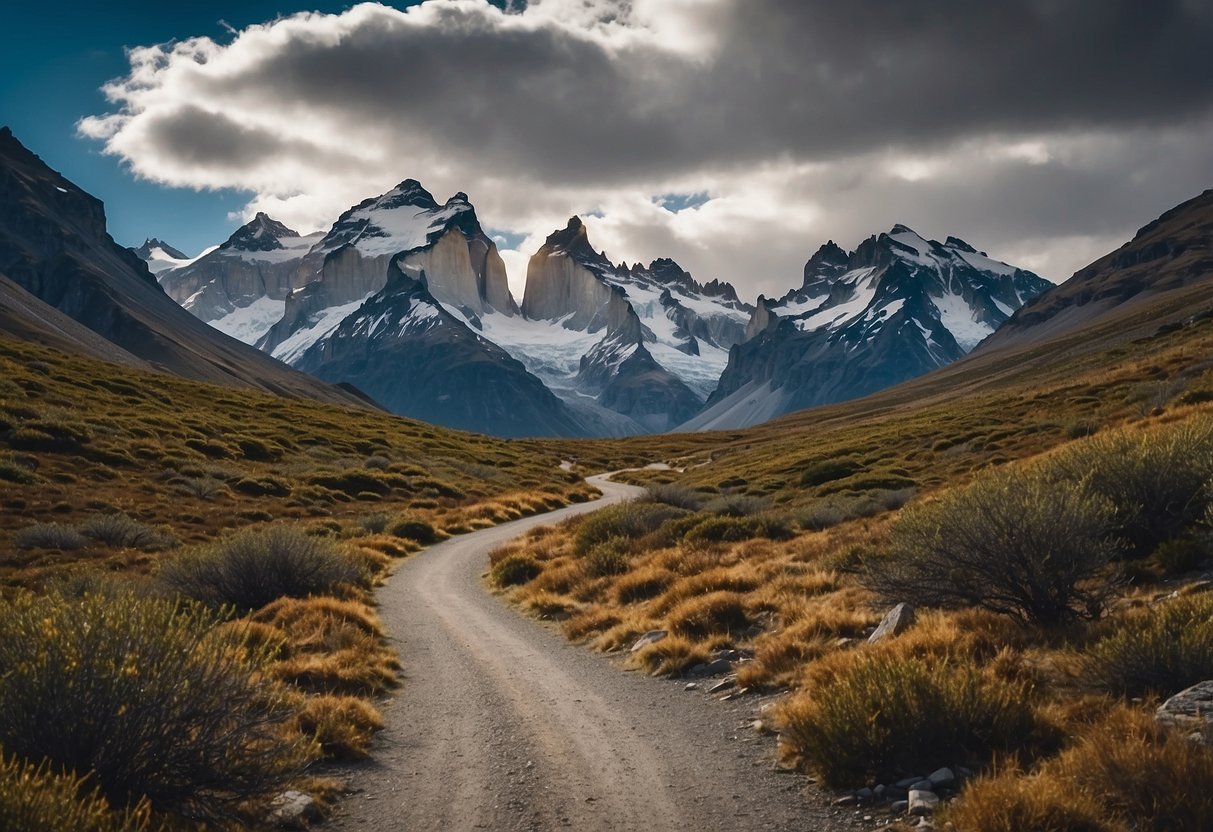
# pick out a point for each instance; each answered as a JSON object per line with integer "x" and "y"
{"x": 404, "y": 302}
{"x": 595, "y": 348}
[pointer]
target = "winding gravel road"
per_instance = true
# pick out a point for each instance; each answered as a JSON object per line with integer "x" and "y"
{"x": 501, "y": 724}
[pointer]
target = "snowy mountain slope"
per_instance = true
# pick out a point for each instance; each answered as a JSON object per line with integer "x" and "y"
{"x": 160, "y": 256}
{"x": 898, "y": 307}
{"x": 405, "y": 226}
{"x": 240, "y": 287}
{"x": 627, "y": 328}
{"x": 403, "y": 348}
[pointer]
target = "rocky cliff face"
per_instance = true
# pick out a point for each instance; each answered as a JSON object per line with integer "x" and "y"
{"x": 240, "y": 287}
{"x": 409, "y": 353}
{"x": 1169, "y": 254}
{"x": 651, "y": 340}
{"x": 405, "y": 226}
{"x": 897, "y": 307}
{"x": 54, "y": 245}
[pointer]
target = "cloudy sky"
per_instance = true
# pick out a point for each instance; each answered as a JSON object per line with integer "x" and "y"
{"x": 733, "y": 135}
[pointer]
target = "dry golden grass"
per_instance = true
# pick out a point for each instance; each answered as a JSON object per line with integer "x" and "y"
{"x": 1123, "y": 772}
{"x": 671, "y": 656}
{"x": 344, "y": 726}
{"x": 81, "y": 439}
{"x": 332, "y": 646}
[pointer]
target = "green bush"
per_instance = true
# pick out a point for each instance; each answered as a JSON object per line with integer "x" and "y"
{"x": 888, "y": 717}
{"x": 252, "y": 567}
{"x": 737, "y": 505}
{"x": 1160, "y": 650}
{"x": 258, "y": 450}
{"x": 724, "y": 530}
{"x": 1182, "y": 554}
{"x": 675, "y": 495}
{"x": 1015, "y": 541}
{"x": 1157, "y": 480}
{"x": 419, "y": 531}
{"x": 515, "y": 569}
{"x": 735, "y": 529}
{"x": 629, "y": 520}
{"x": 14, "y": 472}
{"x": 147, "y": 699}
{"x": 829, "y": 470}
{"x": 263, "y": 486}
{"x": 610, "y": 557}
{"x": 49, "y": 536}
{"x": 118, "y": 529}
{"x": 33, "y": 798}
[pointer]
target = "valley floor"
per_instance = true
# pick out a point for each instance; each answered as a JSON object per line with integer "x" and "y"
{"x": 502, "y": 724}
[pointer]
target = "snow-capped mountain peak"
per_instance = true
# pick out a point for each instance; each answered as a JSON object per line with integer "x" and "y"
{"x": 262, "y": 233}
{"x": 898, "y": 306}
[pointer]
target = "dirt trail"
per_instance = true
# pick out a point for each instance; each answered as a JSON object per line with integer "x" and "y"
{"x": 501, "y": 724}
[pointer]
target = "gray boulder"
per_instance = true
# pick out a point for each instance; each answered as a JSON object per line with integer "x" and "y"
{"x": 1190, "y": 711}
{"x": 896, "y": 621}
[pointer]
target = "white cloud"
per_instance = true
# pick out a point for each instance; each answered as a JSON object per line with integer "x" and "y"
{"x": 794, "y": 129}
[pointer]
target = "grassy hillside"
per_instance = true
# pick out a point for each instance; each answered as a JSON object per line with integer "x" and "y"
{"x": 781, "y": 546}
{"x": 1078, "y": 471}
{"x": 193, "y": 566}
{"x": 81, "y": 438}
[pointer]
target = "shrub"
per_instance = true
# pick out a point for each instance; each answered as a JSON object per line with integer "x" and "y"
{"x": 1181, "y": 554}
{"x": 1013, "y": 541}
{"x": 610, "y": 557}
{"x": 49, "y": 536}
{"x": 1160, "y": 650}
{"x": 204, "y": 488}
{"x": 118, "y": 529}
{"x": 887, "y": 716}
{"x": 724, "y": 530}
{"x": 14, "y": 472}
{"x": 33, "y": 798}
{"x": 374, "y": 523}
{"x": 831, "y": 511}
{"x": 829, "y": 470}
{"x": 1156, "y": 480}
{"x": 515, "y": 569}
{"x": 354, "y": 482}
{"x": 675, "y": 495}
{"x": 146, "y": 697}
{"x": 253, "y": 567}
{"x": 263, "y": 486}
{"x": 737, "y": 505}
{"x": 628, "y": 520}
{"x": 258, "y": 450}
{"x": 410, "y": 527}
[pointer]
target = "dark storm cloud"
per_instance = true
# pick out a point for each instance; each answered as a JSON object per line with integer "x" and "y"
{"x": 808, "y": 79}
{"x": 1024, "y": 124}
